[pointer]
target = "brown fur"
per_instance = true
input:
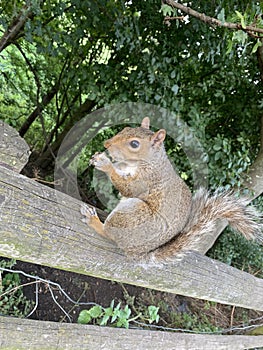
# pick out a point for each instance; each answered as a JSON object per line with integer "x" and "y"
{"x": 206, "y": 210}
{"x": 158, "y": 214}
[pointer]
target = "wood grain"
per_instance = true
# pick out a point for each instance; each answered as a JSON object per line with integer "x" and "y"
{"x": 25, "y": 334}
{"x": 43, "y": 226}
{"x": 14, "y": 151}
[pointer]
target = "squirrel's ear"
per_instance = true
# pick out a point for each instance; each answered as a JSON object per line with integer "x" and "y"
{"x": 145, "y": 123}
{"x": 158, "y": 137}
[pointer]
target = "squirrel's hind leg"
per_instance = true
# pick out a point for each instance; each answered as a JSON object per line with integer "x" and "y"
{"x": 92, "y": 219}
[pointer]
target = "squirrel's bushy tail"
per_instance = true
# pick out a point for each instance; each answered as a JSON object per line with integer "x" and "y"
{"x": 207, "y": 209}
{"x": 205, "y": 212}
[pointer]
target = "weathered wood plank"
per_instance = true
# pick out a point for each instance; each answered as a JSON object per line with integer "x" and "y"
{"x": 14, "y": 151}
{"x": 32, "y": 335}
{"x": 43, "y": 226}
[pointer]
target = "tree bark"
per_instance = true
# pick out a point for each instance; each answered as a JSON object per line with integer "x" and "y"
{"x": 14, "y": 151}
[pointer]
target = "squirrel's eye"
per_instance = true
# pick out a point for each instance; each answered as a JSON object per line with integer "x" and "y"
{"x": 134, "y": 144}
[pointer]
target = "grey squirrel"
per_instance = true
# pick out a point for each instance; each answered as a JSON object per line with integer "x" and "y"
{"x": 158, "y": 214}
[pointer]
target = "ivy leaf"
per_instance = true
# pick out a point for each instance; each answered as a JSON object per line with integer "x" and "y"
{"x": 123, "y": 323}
{"x": 116, "y": 313}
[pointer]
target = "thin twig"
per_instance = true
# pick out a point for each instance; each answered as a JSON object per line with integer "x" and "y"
{"x": 75, "y": 305}
{"x": 36, "y": 302}
{"x": 232, "y": 316}
{"x": 47, "y": 282}
{"x": 57, "y": 303}
{"x": 17, "y": 287}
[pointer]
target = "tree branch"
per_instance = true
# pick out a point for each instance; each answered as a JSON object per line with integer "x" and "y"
{"x": 45, "y": 159}
{"x": 44, "y": 102}
{"x": 15, "y": 27}
{"x": 250, "y": 30}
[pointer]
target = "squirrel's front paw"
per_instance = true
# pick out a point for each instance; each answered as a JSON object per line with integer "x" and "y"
{"x": 88, "y": 212}
{"x": 100, "y": 161}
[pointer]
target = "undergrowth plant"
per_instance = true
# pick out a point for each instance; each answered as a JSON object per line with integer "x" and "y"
{"x": 116, "y": 315}
{"x": 12, "y": 299}
{"x": 233, "y": 249}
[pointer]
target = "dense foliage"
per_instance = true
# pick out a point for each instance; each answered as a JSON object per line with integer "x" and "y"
{"x": 71, "y": 57}
{"x": 61, "y": 60}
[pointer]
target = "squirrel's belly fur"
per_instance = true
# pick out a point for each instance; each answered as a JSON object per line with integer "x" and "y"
{"x": 134, "y": 222}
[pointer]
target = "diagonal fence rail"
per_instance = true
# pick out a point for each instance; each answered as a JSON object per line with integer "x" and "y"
{"x": 43, "y": 226}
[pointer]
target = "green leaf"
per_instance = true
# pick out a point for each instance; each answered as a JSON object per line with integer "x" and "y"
{"x": 153, "y": 313}
{"x": 175, "y": 89}
{"x": 221, "y": 15}
{"x": 84, "y": 317}
{"x": 95, "y": 311}
{"x": 218, "y": 155}
{"x": 104, "y": 320}
{"x": 229, "y": 46}
{"x": 242, "y": 19}
{"x": 256, "y": 46}
{"x": 173, "y": 74}
{"x": 217, "y": 147}
{"x": 108, "y": 311}
{"x": 167, "y": 10}
{"x": 240, "y": 36}
{"x": 125, "y": 313}
{"x": 116, "y": 313}
{"x": 123, "y": 323}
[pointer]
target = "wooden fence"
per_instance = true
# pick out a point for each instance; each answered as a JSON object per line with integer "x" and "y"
{"x": 43, "y": 226}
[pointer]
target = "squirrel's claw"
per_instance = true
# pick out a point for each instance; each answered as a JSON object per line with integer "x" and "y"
{"x": 94, "y": 158}
{"x": 91, "y": 218}
{"x": 100, "y": 161}
{"x": 88, "y": 212}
